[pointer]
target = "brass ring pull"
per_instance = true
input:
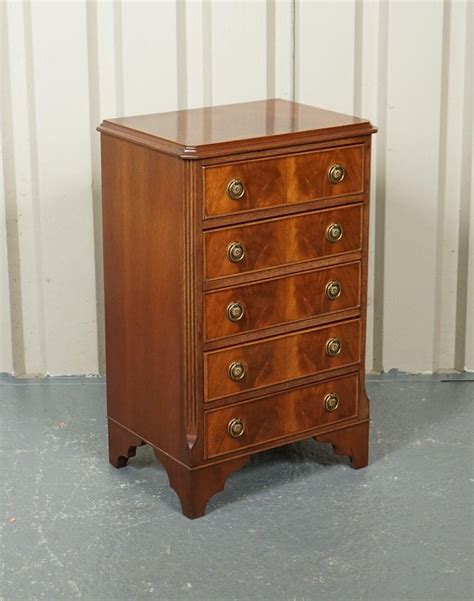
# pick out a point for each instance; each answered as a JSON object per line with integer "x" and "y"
{"x": 334, "y": 232}
{"x": 236, "y": 371}
{"x": 333, "y": 347}
{"x": 333, "y": 290}
{"x": 336, "y": 173}
{"x": 331, "y": 402}
{"x": 236, "y": 427}
{"x": 235, "y": 252}
{"x": 235, "y": 311}
{"x": 235, "y": 189}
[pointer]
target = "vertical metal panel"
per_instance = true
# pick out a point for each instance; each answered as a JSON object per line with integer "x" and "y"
{"x": 8, "y": 239}
{"x": 6, "y": 347}
{"x": 238, "y": 51}
{"x": 450, "y": 177}
{"x": 325, "y": 57}
{"x": 468, "y": 363}
{"x": 401, "y": 64}
{"x": 469, "y": 185}
{"x": 469, "y": 358}
{"x": 413, "y": 138}
{"x": 283, "y": 48}
{"x": 64, "y": 219}
{"x": 194, "y": 54}
{"x": 109, "y": 59}
{"x": 94, "y": 118}
{"x": 371, "y": 25}
{"x": 149, "y": 45}
{"x": 25, "y": 259}
{"x": 207, "y": 27}
{"x": 464, "y": 326}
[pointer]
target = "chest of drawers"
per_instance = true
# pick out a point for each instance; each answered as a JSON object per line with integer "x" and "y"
{"x": 235, "y": 269}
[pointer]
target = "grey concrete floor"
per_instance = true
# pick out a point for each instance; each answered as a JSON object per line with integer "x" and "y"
{"x": 296, "y": 524}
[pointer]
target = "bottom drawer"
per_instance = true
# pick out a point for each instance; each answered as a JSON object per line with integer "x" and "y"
{"x": 272, "y": 417}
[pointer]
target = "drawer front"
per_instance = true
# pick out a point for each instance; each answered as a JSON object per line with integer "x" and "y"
{"x": 279, "y": 359}
{"x": 265, "y": 183}
{"x": 278, "y": 242}
{"x": 281, "y": 300}
{"x": 267, "y": 419}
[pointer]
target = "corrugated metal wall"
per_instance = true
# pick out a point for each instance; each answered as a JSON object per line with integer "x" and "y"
{"x": 405, "y": 65}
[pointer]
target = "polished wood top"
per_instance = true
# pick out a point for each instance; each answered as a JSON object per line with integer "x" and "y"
{"x": 212, "y": 131}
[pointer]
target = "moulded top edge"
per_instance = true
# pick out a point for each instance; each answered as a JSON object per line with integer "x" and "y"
{"x": 210, "y": 131}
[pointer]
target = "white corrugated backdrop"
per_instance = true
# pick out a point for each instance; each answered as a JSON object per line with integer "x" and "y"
{"x": 405, "y": 65}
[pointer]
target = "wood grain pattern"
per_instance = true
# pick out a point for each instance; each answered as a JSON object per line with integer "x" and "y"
{"x": 280, "y": 359}
{"x": 221, "y": 130}
{"x": 122, "y": 444}
{"x": 195, "y": 486}
{"x": 292, "y": 179}
{"x": 281, "y": 300}
{"x": 168, "y": 281}
{"x": 144, "y": 320}
{"x": 276, "y": 416}
{"x": 282, "y": 210}
{"x": 283, "y": 241}
{"x": 352, "y": 441}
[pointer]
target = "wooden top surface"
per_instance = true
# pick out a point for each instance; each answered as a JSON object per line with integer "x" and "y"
{"x": 213, "y": 131}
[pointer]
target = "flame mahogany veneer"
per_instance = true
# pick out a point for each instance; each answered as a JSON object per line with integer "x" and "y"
{"x": 276, "y": 301}
{"x": 235, "y": 269}
{"x": 283, "y": 242}
{"x": 292, "y": 179}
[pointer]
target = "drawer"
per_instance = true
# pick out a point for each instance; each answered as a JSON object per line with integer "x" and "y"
{"x": 276, "y": 242}
{"x": 281, "y": 300}
{"x": 273, "y": 417}
{"x": 297, "y": 178}
{"x": 280, "y": 359}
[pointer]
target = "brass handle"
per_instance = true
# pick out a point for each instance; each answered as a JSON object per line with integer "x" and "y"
{"x": 336, "y": 173}
{"x": 235, "y": 189}
{"x": 235, "y": 311}
{"x": 235, "y": 252}
{"x": 331, "y": 401}
{"x": 333, "y": 347}
{"x": 333, "y": 290}
{"x": 334, "y": 232}
{"x": 236, "y": 371}
{"x": 236, "y": 427}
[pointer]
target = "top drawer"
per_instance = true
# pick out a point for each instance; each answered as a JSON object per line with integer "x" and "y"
{"x": 265, "y": 183}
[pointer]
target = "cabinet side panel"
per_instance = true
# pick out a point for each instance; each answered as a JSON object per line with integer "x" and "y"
{"x": 143, "y": 274}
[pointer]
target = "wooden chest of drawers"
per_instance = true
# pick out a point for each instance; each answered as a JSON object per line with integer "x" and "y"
{"x": 235, "y": 255}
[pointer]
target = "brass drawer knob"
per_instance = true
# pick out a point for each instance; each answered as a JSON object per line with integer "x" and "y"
{"x": 333, "y": 290}
{"x": 236, "y": 427}
{"x": 336, "y": 173}
{"x": 235, "y": 311}
{"x": 333, "y": 347}
{"x": 235, "y": 189}
{"x": 334, "y": 232}
{"x": 236, "y": 371}
{"x": 235, "y": 252}
{"x": 331, "y": 401}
